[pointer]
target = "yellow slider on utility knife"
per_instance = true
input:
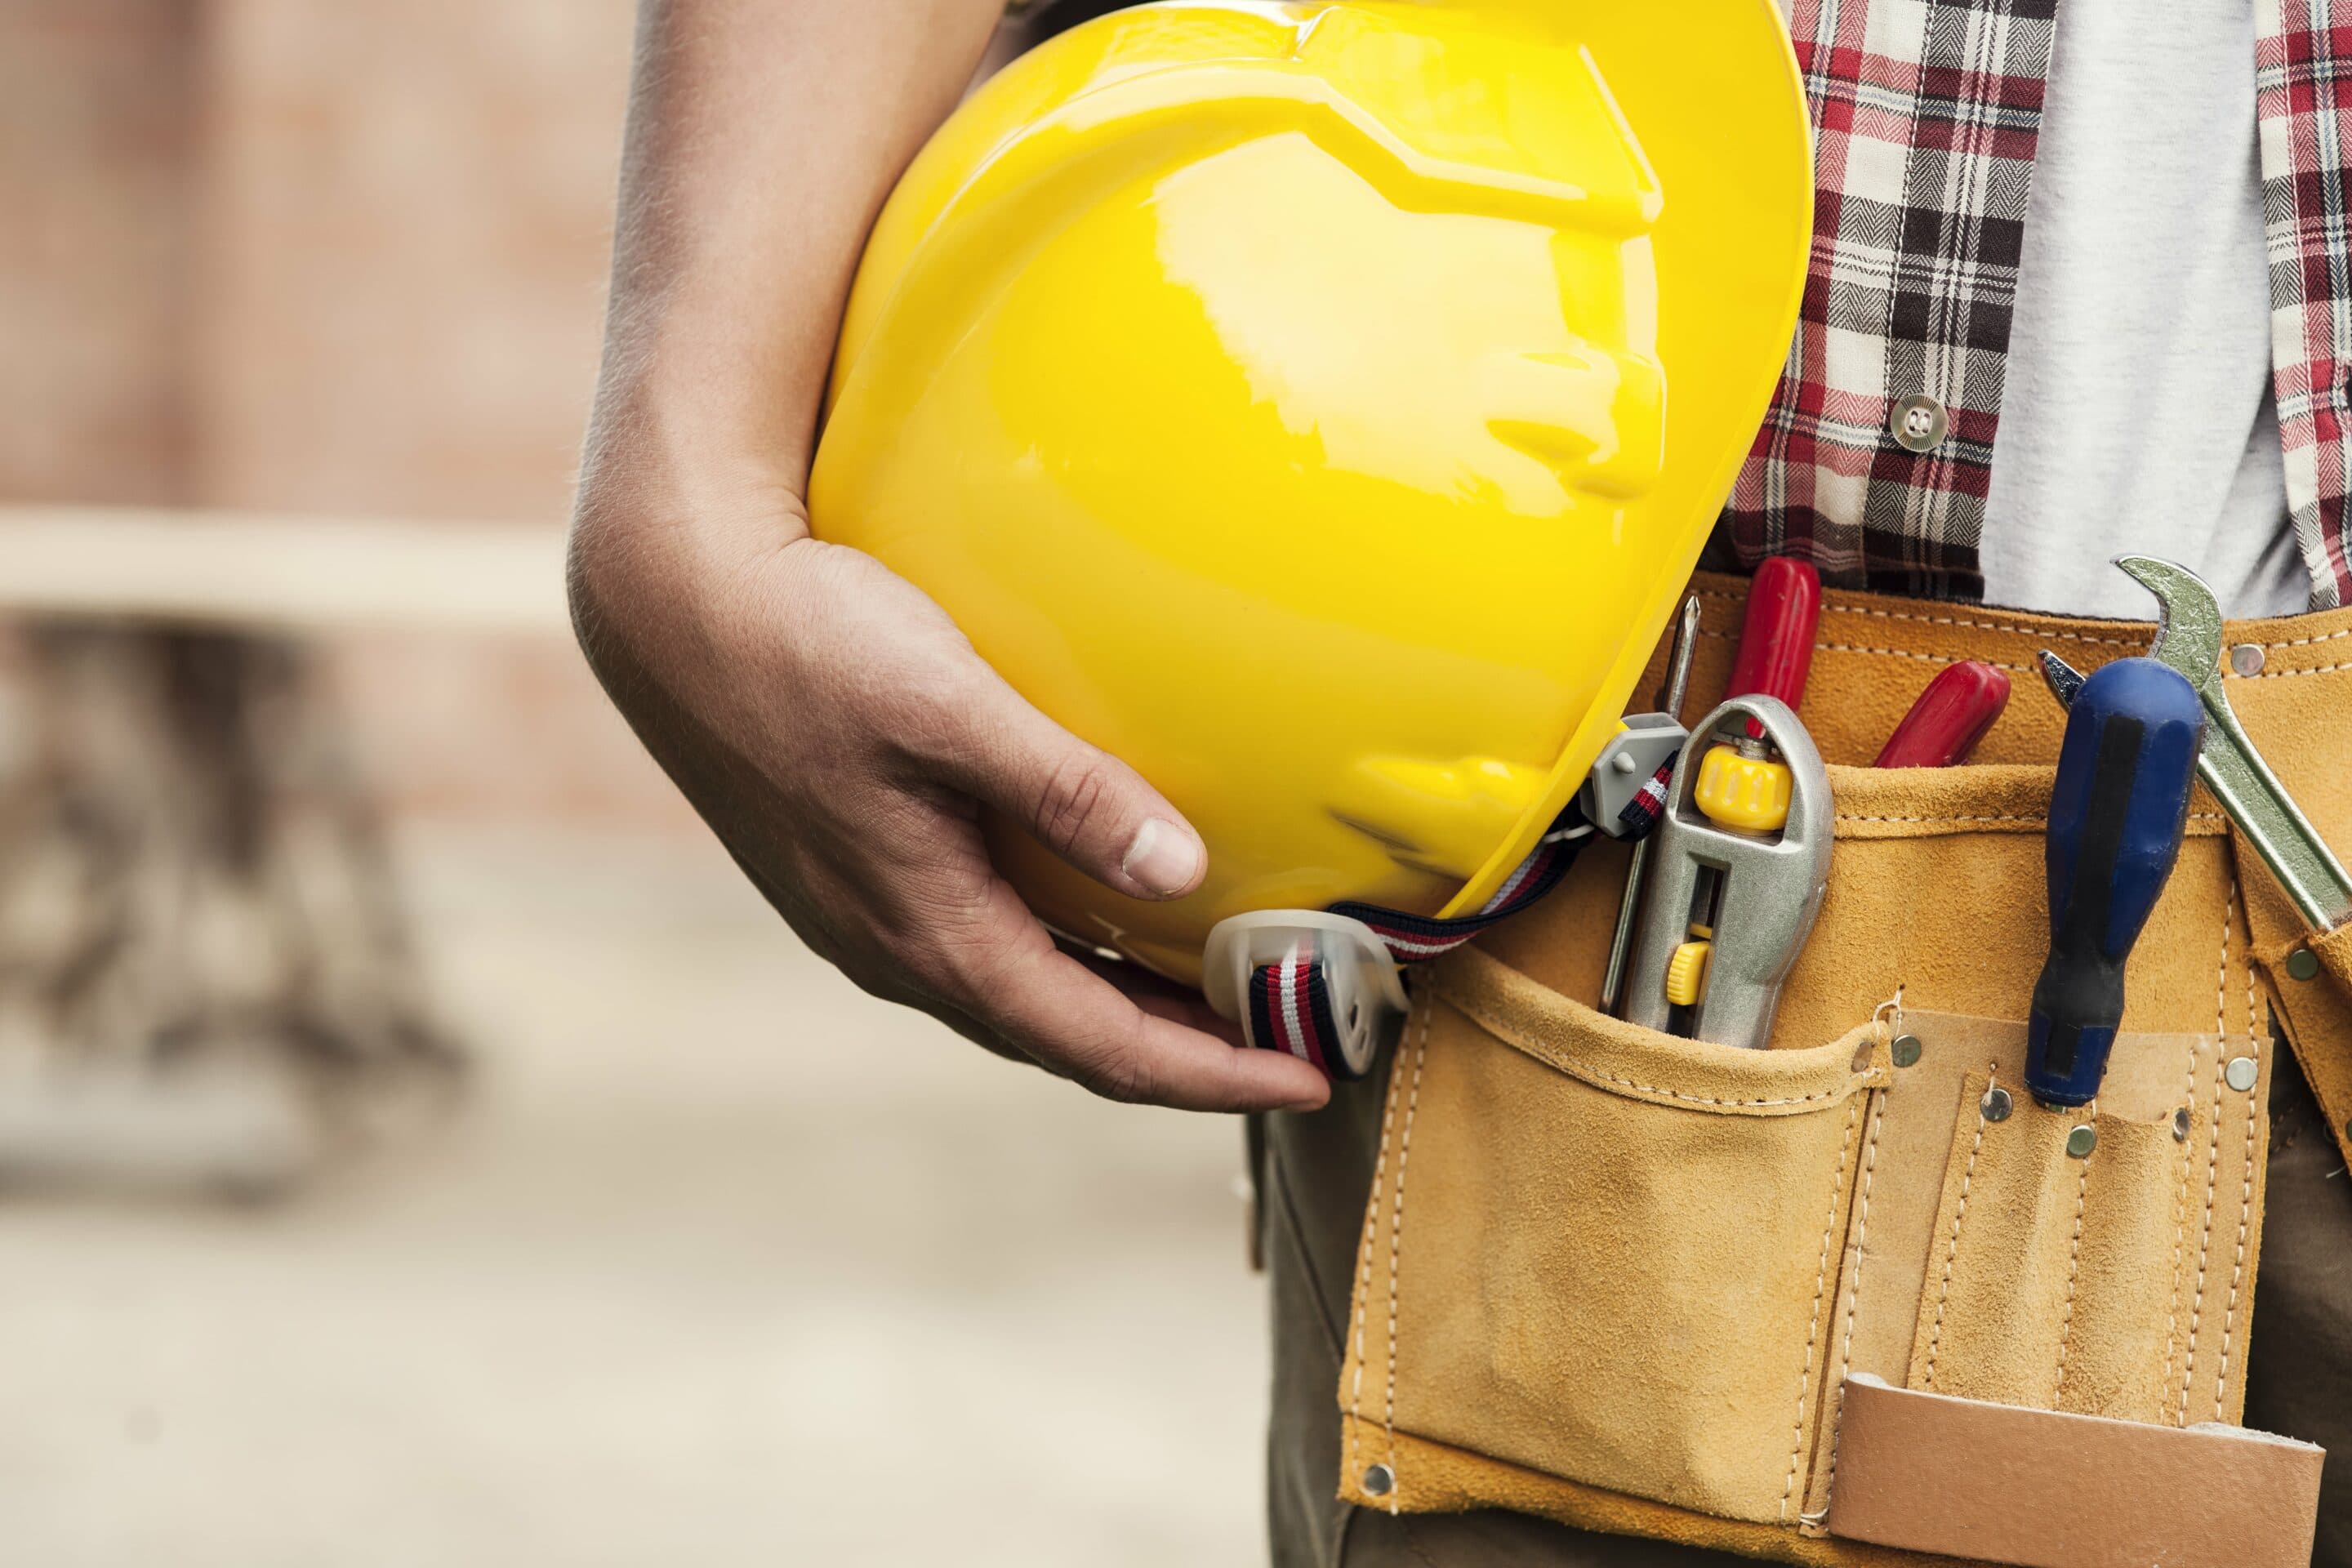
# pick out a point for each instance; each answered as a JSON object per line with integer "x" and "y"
{"x": 1686, "y": 971}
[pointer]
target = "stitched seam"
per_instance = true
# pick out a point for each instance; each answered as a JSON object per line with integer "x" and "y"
{"x": 2035, "y": 817}
{"x": 2073, "y": 1268}
{"x": 2309, "y": 642}
{"x": 1364, "y": 1267}
{"x": 1952, "y": 1252}
{"x": 1981, "y": 625}
{"x": 1853, "y": 1296}
{"x": 2014, "y": 628}
{"x": 1921, "y": 658}
{"x": 2245, "y": 1200}
{"x": 2212, "y": 1161}
{"x": 1849, "y": 817}
{"x": 2180, "y": 1235}
{"x": 2035, "y": 669}
{"x": 2238, "y": 1264}
{"x": 2283, "y": 674}
{"x": 2179, "y": 1242}
{"x": 2205, "y": 1242}
{"x": 1396, "y": 1251}
{"x": 1509, "y": 1035}
{"x": 1820, "y": 1284}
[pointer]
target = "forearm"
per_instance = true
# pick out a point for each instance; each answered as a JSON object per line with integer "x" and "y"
{"x": 832, "y": 724}
{"x": 762, "y": 138}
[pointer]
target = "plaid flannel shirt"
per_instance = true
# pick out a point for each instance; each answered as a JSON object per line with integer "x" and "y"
{"x": 1926, "y": 116}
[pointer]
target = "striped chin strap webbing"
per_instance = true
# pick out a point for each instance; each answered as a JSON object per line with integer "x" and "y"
{"x": 1290, "y": 1001}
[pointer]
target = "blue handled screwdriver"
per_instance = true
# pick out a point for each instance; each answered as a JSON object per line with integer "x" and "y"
{"x": 2117, "y": 815}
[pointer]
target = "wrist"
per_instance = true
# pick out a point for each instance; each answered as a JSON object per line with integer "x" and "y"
{"x": 664, "y": 444}
{"x": 722, "y": 357}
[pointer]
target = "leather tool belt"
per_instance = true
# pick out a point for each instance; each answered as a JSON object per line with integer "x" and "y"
{"x": 1860, "y": 1297}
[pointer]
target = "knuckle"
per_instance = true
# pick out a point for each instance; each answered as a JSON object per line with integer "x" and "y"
{"x": 1074, "y": 792}
{"x": 925, "y": 719}
{"x": 960, "y": 958}
{"x": 1120, "y": 1071}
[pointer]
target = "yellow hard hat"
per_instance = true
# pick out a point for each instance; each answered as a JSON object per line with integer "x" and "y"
{"x": 1320, "y": 407}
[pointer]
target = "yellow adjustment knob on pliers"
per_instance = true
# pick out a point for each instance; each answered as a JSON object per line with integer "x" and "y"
{"x": 1738, "y": 790}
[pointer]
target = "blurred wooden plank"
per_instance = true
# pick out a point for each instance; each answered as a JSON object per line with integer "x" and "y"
{"x": 260, "y": 571}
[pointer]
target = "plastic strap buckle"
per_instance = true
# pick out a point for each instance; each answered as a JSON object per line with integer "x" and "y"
{"x": 1644, "y": 748}
{"x": 1321, "y": 986}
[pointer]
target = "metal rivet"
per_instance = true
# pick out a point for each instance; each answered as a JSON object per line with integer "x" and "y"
{"x": 2246, "y": 658}
{"x": 1996, "y": 1104}
{"x": 2303, "y": 964}
{"x": 1918, "y": 423}
{"x": 2081, "y": 1140}
{"x": 1905, "y": 1049}
{"x": 1379, "y": 1480}
{"x": 2240, "y": 1073}
{"x": 2180, "y": 1125}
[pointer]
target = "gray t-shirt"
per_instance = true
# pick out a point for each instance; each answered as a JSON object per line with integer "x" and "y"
{"x": 2137, "y": 414}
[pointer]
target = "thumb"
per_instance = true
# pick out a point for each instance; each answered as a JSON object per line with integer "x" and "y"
{"x": 1079, "y": 801}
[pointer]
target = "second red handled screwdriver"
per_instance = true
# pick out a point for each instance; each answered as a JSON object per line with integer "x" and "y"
{"x": 1949, "y": 720}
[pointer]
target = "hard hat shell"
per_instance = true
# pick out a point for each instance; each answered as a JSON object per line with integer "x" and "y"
{"x": 1320, "y": 407}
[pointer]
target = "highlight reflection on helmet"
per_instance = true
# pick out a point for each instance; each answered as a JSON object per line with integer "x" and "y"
{"x": 1318, "y": 406}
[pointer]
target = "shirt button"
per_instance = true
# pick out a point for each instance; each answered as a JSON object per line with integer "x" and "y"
{"x": 1918, "y": 423}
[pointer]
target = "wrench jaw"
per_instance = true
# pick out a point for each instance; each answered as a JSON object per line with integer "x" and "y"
{"x": 2189, "y": 635}
{"x": 2188, "y": 620}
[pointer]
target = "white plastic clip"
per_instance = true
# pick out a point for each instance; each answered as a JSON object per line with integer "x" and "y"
{"x": 1368, "y": 1000}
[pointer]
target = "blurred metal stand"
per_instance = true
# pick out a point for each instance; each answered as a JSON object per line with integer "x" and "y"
{"x": 206, "y": 972}
{"x": 205, "y": 976}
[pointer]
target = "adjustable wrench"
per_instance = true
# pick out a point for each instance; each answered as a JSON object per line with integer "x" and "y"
{"x": 2188, "y": 638}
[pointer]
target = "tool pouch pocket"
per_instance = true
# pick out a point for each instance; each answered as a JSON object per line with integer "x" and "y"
{"x": 1611, "y": 1292}
{"x": 1626, "y": 1280}
{"x": 2055, "y": 1259}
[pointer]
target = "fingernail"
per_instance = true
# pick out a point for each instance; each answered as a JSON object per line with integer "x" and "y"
{"x": 1163, "y": 859}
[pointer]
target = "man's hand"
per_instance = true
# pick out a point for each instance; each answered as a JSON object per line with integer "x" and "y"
{"x": 839, "y": 733}
{"x": 827, "y": 718}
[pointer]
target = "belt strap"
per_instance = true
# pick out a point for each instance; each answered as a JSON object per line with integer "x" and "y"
{"x": 1290, "y": 1001}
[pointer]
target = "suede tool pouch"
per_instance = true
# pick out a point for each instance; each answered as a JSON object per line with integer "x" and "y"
{"x": 1622, "y": 1279}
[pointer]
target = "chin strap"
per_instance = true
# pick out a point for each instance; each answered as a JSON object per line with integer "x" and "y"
{"x": 1290, "y": 1001}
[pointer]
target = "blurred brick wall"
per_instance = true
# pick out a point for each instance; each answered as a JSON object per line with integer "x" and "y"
{"x": 97, "y": 108}
{"x": 330, "y": 257}
{"x": 408, "y": 206}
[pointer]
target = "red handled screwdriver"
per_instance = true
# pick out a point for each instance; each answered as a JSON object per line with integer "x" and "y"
{"x": 1774, "y": 657}
{"x": 1951, "y": 717}
{"x": 1776, "y": 640}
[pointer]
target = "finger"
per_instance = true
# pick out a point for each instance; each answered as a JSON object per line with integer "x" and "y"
{"x": 1156, "y": 994}
{"x": 1079, "y": 1024}
{"x": 1191, "y": 1012}
{"x": 1079, "y": 801}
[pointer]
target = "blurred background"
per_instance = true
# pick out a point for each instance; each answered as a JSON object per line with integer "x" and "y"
{"x": 417, "y": 1143}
